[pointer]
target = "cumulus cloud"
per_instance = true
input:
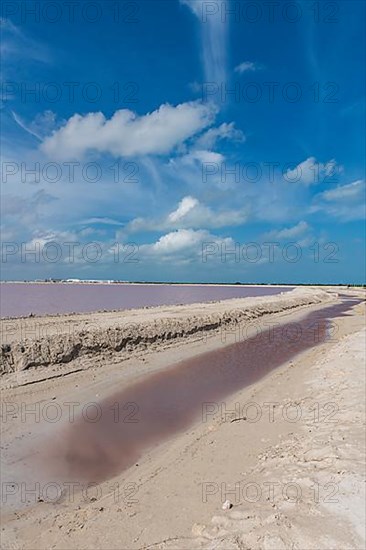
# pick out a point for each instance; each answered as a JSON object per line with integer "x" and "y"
{"x": 183, "y": 243}
{"x": 311, "y": 172}
{"x": 126, "y": 134}
{"x": 177, "y": 241}
{"x": 190, "y": 213}
{"x": 184, "y": 207}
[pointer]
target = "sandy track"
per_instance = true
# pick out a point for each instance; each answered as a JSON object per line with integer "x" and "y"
{"x": 307, "y": 491}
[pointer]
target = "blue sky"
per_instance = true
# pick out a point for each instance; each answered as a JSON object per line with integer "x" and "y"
{"x": 183, "y": 140}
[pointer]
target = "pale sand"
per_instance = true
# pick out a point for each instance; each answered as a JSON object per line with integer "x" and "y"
{"x": 167, "y": 507}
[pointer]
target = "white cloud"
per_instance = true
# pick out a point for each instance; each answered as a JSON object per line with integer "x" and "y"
{"x": 42, "y": 238}
{"x": 214, "y": 30}
{"x": 27, "y": 128}
{"x": 188, "y": 172}
{"x": 178, "y": 240}
{"x": 183, "y": 243}
{"x": 312, "y": 172}
{"x": 246, "y": 66}
{"x": 224, "y": 131}
{"x": 290, "y": 232}
{"x": 199, "y": 156}
{"x": 345, "y": 202}
{"x": 351, "y": 191}
{"x": 127, "y": 134}
{"x": 25, "y": 209}
{"x": 17, "y": 46}
{"x": 184, "y": 207}
{"x": 196, "y": 6}
{"x": 101, "y": 221}
{"x": 45, "y": 123}
{"x": 189, "y": 214}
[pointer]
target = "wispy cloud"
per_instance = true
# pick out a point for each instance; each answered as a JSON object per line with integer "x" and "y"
{"x": 290, "y": 232}
{"x": 351, "y": 191}
{"x": 226, "y": 131}
{"x": 42, "y": 125}
{"x": 24, "y": 126}
{"x": 345, "y": 202}
{"x": 247, "y": 66}
{"x": 101, "y": 221}
{"x": 214, "y": 35}
{"x": 16, "y": 44}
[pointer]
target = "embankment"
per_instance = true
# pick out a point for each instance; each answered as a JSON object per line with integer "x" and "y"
{"x": 46, "y": 341}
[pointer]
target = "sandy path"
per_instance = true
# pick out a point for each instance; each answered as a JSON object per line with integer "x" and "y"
{"x": 173, "y": 498}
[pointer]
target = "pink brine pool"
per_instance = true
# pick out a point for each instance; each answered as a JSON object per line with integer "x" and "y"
{"x": 23, "y": 299}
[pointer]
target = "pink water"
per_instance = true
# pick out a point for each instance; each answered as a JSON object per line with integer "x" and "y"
{"x": 22, "y": 299}
{"x": 167, "y": 402}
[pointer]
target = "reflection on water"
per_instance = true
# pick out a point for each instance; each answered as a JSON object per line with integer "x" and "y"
{"x": 167, "y": 402}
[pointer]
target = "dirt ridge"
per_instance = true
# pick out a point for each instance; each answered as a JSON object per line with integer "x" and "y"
{"x": 125, "y": 334}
